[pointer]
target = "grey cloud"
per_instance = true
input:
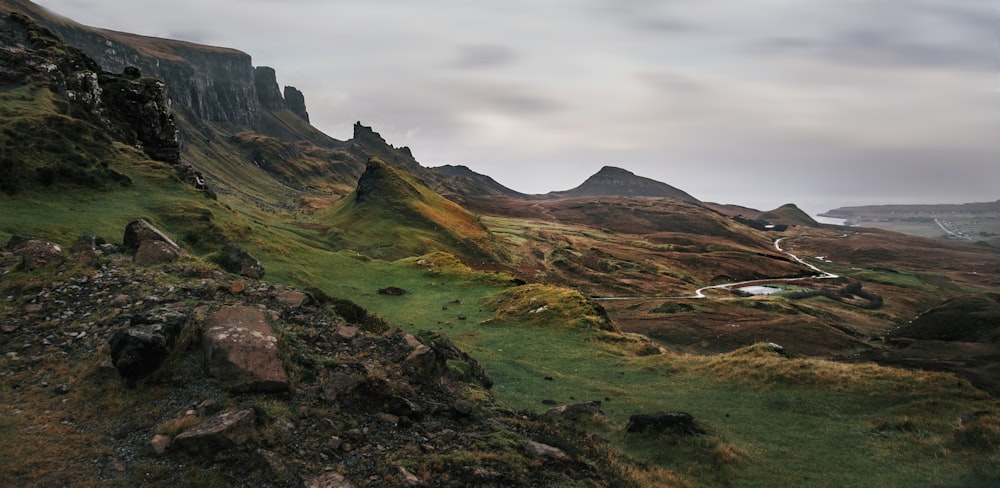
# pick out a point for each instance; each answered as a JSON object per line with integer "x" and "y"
{"x": 647, "y": 15}
{"x": 934, "y": 34}
{"x": 483, "y": 56}
{"x": 881, "y": 49}
{"x": 671, "y": 82}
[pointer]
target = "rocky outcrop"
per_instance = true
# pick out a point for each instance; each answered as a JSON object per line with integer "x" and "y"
{"x": 241, "y": 350}
{"x": 239, "y": 261}
{"x": 132, "y": 107}
{"x": 142, "y": 104}
{"x": 266, "y": 83}
{"x": 296, "y": 102}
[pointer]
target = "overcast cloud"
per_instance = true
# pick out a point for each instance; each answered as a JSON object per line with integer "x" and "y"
{"x": 756, "y": 102}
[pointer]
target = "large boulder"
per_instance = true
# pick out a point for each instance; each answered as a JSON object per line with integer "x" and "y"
{"x": 139, "y": 231}
{"x": 241, "y": 350}
{"x": 36, "y": 253}
{"x": 220, "y": 433}
{"x": 140, "y": 349}
{"x": 236, "y": 260}
{"x": 155, "y": 252}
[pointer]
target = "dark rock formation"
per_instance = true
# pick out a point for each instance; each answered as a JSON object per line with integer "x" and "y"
{"x": 133, "y": 108}
{"x": 266, "y": 83}
{"x": 675, "y": 422}
{"x": 237, "y": 260}
{"x": 296, "y": 102}
{"x": 139, "y": 350}
{"x": 141, "y": 103}
{"x": 241, "y": 350}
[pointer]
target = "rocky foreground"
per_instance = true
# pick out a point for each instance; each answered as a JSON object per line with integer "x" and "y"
{"x": 125, "y": 365}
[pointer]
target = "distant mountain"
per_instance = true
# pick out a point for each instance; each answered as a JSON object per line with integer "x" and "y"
{"x": 465, "y": 182}
{"x": 788, "y": 214}
{"x": 852, "y": 212}
{"x": 612, "y": 181}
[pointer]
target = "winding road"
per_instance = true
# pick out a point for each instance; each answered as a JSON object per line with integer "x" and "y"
{"x": 699, "y": 293}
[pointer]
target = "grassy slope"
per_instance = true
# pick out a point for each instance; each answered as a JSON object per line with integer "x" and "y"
{"x": 772, "y": 421}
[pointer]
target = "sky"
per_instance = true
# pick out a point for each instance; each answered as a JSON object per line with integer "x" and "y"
{"x": 821, "y": 103}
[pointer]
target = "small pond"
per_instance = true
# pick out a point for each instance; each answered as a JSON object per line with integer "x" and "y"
{"x": 760, "y": 290}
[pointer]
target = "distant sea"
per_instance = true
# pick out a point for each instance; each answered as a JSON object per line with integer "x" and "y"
{"x": 828, "y": 220}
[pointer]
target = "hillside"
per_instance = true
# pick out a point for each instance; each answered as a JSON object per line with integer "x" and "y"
{"x": 409, "y": 340}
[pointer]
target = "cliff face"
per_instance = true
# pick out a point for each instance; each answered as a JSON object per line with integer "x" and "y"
{"x": 215, "y": 84}
{"x": 68, "y": 139}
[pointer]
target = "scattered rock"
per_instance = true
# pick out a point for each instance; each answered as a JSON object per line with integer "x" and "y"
{"x": 273, "y": 460}
{"x": 240, "y": 349}
{"x": 291, "y": 298}
{"x": 339, "y": 384}
{"x": 391, "y": 291}
{"x": 574, "y": 411}
{"x": 236, "y": 260}
{"x": 409, "y": 479}
{"x": 544, "y": 451}
{"x": 222, "y": 432}
{"x": 208, "y": 407}
{"x": 676, "y": 422}
{"x": 160, "y": 443}
{"x": 346, "y": 332}
{"x": 238, "y": 287}
{"x": 330, "y": 479}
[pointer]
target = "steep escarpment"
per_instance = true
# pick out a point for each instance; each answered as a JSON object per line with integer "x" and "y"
{"x": 213, "y": 83}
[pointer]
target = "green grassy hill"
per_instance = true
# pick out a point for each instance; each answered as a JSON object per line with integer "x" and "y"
{"x": 392, "y": 215}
